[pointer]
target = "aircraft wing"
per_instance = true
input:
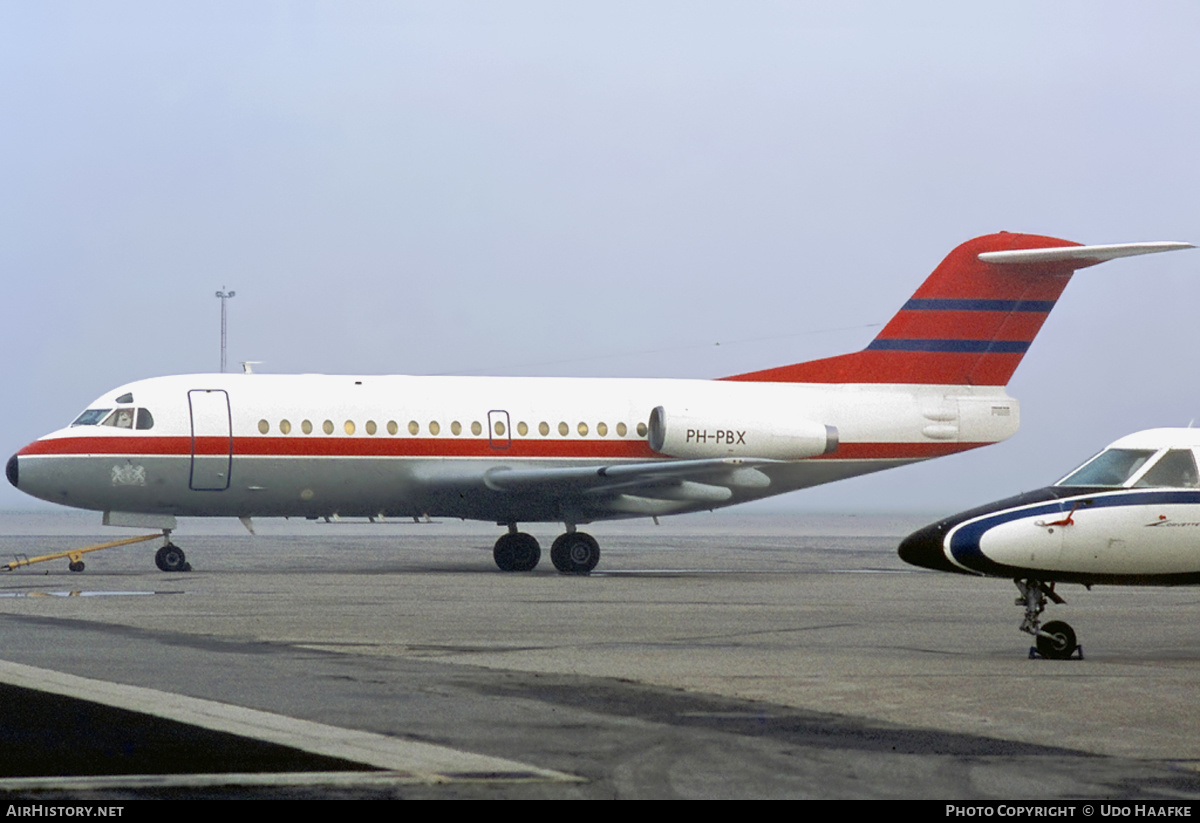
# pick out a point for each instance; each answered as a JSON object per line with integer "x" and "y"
{"x": 619, "y": 487}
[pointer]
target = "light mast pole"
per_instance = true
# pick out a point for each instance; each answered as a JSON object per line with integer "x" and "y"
{"x": 224, "y": 295}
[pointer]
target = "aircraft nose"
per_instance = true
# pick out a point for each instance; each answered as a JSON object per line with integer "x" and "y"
{"x": 11, "y": 471}
{"x": 924, "y": 548}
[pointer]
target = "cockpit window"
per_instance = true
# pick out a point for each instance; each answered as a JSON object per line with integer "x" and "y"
{"x": 121, "y": 419}
{"x": 91, "y": 417}
{"x": 1109, "y": 468}
{"x": 1175, "y": 469}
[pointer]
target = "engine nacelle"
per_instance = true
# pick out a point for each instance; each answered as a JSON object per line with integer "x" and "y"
{"x": 738, "y": 434}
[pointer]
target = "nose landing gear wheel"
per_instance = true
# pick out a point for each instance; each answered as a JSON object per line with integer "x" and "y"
{"x": 170, "y": 558}
{"x": 575, "y": 553}
{"x": 1056, "y": 640}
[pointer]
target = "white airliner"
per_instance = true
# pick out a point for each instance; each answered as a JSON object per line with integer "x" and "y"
{"x": 514, "y": 450}
{"x": 1130, "y": 516}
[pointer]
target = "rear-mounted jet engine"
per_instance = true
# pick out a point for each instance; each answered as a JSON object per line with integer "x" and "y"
{"x": 736, "y": 434}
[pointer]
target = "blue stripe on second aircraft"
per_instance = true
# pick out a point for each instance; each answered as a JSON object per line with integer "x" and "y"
{"x": 979, "y": 346}
{"x": 951, "y": 304}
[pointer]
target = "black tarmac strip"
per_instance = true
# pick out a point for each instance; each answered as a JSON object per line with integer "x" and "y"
{"x": 53, "y": 735}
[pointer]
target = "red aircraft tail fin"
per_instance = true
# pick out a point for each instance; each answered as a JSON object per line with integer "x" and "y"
{"x": 971, "y": 321}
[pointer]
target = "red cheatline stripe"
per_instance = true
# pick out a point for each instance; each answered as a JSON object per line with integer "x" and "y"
{"x": 318, "y": 446}
{"x": 111, "y": 445}
{"x": 427, "y": 447}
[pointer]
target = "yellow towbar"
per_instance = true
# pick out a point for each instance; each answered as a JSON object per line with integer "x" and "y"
{"x": 76, "y": 555}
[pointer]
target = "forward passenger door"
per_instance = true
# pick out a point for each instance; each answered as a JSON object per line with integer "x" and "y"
{"x": 212, "y": 439}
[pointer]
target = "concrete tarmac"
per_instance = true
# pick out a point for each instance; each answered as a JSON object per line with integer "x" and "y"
{"x": 717, "y": 655}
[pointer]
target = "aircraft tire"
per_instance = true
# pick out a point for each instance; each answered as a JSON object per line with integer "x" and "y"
{"x": 575, "y": 553}
{"x": 170, "y": 558}
{"x": 518, "y": 552}
{"x": 1060, "y": 644}
{"x": 75, "y": 565}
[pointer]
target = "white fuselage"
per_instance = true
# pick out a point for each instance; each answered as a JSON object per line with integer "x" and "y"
{"x": 319, "y": 445}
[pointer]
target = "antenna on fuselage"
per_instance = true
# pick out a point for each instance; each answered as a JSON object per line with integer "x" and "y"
{"x": 223, "y": 295}
{"x": 248, "y": 366}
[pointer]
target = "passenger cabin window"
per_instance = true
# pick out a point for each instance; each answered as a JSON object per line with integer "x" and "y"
{"x": 1176, "y": 469}
{"x": 1109, "y": 468}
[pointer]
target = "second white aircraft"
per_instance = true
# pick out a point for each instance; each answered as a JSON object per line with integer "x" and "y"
{"x": 1130, "y": 516}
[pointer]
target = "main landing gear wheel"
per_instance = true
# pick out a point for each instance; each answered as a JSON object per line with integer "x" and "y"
{"x": 170, "y": 558}
{"x": 575, "y": 553}
{"x": 75, "y": 565}
{"x": 1056, "y": 641}
{"x": 517, "y": 552}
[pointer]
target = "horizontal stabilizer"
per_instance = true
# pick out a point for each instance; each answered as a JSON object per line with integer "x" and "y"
{"x": 1087, "y": 254}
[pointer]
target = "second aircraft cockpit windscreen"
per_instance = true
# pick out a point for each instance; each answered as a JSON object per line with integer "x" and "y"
{"x": 1138, "y": 469}
{"x": 122, "y": 418}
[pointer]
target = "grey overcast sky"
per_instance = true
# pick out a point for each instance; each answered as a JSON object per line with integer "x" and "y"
{"x": 658, "y": 189}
